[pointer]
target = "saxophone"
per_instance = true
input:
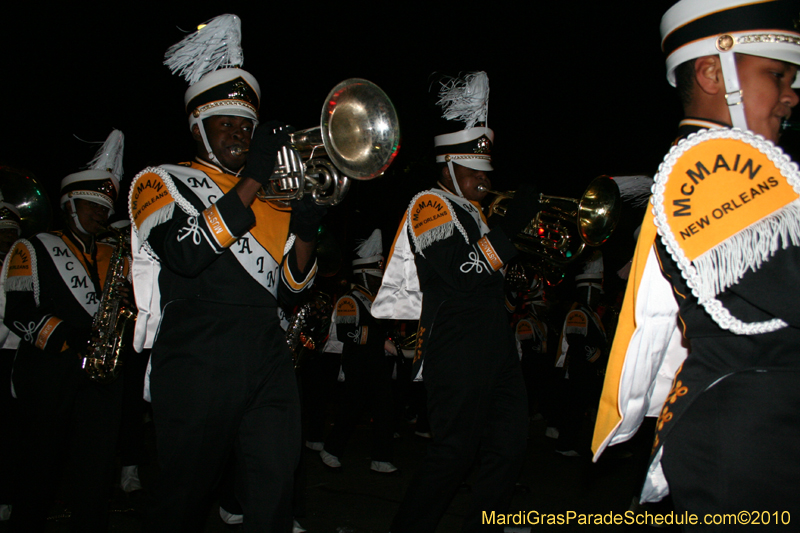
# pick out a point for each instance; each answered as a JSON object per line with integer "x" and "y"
{"x": 113, "y": 323}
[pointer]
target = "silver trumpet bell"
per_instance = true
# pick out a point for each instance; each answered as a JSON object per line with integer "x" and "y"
{"x": 358, "y": 137}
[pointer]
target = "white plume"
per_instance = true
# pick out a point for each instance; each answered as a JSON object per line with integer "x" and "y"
{"x": 109, "y": 156}
{"x": 217, "y": 44}
{"x": 370, "y": 246}
{"x": 465, "y": 99}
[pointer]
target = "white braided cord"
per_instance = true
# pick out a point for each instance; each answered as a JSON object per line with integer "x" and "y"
{"x": 163, "y": 214}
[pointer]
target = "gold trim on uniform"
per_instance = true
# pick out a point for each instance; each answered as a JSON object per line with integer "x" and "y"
{"x": 488, "y": 252}
{"x": 768, "y": 38}
{"x": 524, "y": 330}
{"x": 211, "y": 105}
{"x": 576, "y": 322}
{"x": 294, "y": 284}
{"x": 20, "y": 261}
{"x": 476, "y": 155}
{"x": 219, "y": 230}
{"x": 428, "y": 213}
{"x": 149, "y": 194}
{"x": 47, "y": 330}
{"x": 102, "y": 258}
{"x": 346, "y": 310}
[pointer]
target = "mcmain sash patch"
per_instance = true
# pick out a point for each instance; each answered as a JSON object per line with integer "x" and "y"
{"x": 724, "y": 202}
{"x": 430, "y": 219}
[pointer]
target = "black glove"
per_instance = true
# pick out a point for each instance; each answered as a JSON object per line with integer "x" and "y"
{"x": 306, "y": 216}
{"x": 521, "y": 210}
{"x": 263, "y": 152}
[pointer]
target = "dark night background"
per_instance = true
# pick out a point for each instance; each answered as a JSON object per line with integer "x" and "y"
{"x": 576, "y": 90}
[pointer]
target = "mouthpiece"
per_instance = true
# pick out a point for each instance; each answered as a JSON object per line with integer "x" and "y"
{"x": 238, "y": 150}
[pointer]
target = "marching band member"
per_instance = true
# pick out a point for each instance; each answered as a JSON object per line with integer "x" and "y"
{"x": 714, "y": 309}
{"x": 536, "y": 336}
{"x": 363, "y": 343}
{"x": 582, "y": 353}
{"x": 211, "y": 264}
{"x": 53, "y": 283}
{"x": 446, "y": 270}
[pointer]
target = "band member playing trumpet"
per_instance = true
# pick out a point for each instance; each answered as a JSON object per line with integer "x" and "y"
{"x": 445, "y": 256}
{"x": 211, "y": 265}
{"x": 54, "y": 282}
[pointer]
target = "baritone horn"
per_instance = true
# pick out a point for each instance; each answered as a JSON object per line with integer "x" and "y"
{"x": 358, "y": 138}
{"x": 551, "y": 234}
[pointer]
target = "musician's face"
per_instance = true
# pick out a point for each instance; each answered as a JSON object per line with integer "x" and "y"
{"x": 468, "y": 181}
{"x": 92, "y": 216}
{"x": 767, "y": 93}
{"x": 224, "y": 133}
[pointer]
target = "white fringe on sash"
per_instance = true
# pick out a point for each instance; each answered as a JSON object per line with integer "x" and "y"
{"x": 158, "y": 217}
{"x": 162, "y": 215}
{"x": 433, "y": 235}
{"x": 577, "y": 330}
{"x": 442, "y": 231}
{"x": 21, "y": 283}
{"x": 725, "y": 264}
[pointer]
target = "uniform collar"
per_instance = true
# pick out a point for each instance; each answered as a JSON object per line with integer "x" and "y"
{"x": 217, "y": 168}
{"x": 690, "y": 125}
{"x": 78, "y": 242}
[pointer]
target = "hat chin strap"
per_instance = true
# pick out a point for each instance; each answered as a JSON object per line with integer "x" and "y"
{"x": 74, "y": 215}
{"x": 733, "y": 93}
{"x": 453, "y": 179}
{"x": 364, "y": 284}
{"x": 211, "y": 157}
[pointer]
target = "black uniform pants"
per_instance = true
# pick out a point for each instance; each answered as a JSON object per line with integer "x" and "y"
{"x": 736, "y": 449}
{"x": 222, "y": 381}
{"x": 367, "y": 386}
{"x": 63, "y": 416}
{"x": 8, "y": 437}
{"x": 131, "y": 434}
{"x": 477, "y": 408}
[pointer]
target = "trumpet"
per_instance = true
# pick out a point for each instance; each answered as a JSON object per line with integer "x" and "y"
{"x": 358, "y": 138}
{"x": 549, "y": 234}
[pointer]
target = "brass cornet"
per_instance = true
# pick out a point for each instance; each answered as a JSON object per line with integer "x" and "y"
{"x": 358, "y": 137}
{"x": 550, "y": 235}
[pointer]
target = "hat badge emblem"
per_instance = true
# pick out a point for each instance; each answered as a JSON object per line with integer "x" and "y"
{"x": 483, "y": 145}
{"x": 240, "y": 91}
{"x": 725, "y": 43}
